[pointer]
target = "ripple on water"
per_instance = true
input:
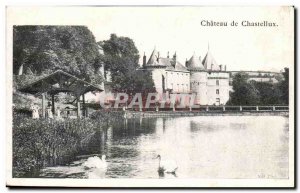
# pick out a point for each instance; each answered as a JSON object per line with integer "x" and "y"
{"x": 203, "y": 147}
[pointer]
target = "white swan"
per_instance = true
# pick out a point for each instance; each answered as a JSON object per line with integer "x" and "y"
{"x": 166, "y": 166}
{"x": 96, "y": 162}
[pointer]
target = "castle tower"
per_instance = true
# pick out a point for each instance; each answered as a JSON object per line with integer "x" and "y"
{"x": 217, "y": 81}
{"x": 210, "y": 63}
{"x": 157, "y": 65}
{"x": 198, "y": 79}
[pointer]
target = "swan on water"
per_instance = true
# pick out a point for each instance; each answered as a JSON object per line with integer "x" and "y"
{"x": 166, "y": 166}
{"x": 96, "y": 162}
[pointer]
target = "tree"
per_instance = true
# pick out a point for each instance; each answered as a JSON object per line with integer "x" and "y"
{"x": 244, "y": 92}
{"x": 269, "y": 93}
{"x": 121, "y": 58}
{"x": 45, "y": 49}
{"x": 262, "y": 93}
{"x": 284, "y": 87}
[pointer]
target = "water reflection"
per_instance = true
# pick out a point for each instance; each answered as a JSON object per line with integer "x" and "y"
{"x": 203, "y": 147}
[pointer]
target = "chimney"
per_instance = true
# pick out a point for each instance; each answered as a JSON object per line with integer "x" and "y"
{"x": 174, "y": 57}
{"x": 158, "y": 57}
{"x": 220, "y": 67}
{"x": 144, "y": 59}
{"x": 225, "y": 68}
{"x": 186, "y": 62}
{"x": 168, "y": 55}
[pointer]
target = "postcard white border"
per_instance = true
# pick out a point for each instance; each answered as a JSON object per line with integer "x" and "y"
{"x": 131, "y": 182}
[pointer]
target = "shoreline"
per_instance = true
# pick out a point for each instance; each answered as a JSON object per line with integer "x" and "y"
{"x": 135, "y": 114}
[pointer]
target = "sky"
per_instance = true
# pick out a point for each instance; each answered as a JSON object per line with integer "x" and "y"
{"x": 179, "y": 29}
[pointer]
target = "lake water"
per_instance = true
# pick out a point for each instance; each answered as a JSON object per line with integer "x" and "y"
{"x": 223, "y": 147}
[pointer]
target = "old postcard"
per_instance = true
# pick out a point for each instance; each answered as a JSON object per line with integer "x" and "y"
{"x": 150, "y": 96}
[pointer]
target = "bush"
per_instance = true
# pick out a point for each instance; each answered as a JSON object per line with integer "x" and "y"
{"x": 107, "y": 116}
{"x": 40, "y": 143}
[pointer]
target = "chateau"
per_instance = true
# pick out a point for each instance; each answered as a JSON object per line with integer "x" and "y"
{"x": 209, "y": 81}
{"x": 206, "y": 79}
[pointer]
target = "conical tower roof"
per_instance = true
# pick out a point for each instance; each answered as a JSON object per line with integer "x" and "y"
{"x": 153, "y": 58}
{"x": 209, "y": 62}
{"x": 195, "y": 62}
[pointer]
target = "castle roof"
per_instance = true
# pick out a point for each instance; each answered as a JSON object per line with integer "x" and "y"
{"x": 210, "y": 63}
{"x": 195, "y": 62}
{"x": 155, "y": 60}
{"x": 176, "y": 67}
{"x": 169, "y": 63}
{"x": 164, "y": 61}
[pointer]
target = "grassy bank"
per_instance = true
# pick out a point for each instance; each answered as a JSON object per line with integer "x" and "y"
{"x": 40, "y": 143}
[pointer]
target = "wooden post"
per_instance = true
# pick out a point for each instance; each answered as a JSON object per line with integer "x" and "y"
{"x": 86, "y": 110}
{"x": 224, "y": 109}
{"x": 78, "y": 107}
{"x": 44, "y": 105}
{"x": 207, "y": 109}
{"x": 257, "y": 108}
{"x": 241, "y": 108}
{"x": 53, "y": 105}
{"x": 83, "y": 106}
{"x": 274, "y": 108}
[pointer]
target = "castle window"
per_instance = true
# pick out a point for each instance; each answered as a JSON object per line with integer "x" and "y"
{"x": 217, "y": 82}
{"x": 217, "y": 91}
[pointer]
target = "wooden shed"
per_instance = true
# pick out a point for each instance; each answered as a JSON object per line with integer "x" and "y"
{"x": 58, "y": 82}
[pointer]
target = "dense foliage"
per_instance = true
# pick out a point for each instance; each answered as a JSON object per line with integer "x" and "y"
{"x": 244, "y": 93}
{"x": 42, "y": 142}
{"x": 39, "y": 143}
{"x": 247, "y": 92}
{"x": 121, "y": 59}
{"x": 284, "y": 87}
{"x": 43, "y": 49}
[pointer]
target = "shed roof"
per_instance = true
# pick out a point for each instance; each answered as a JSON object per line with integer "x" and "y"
{"x": 60, "y": 81}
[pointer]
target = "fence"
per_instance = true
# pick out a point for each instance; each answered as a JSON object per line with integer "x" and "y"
{"x": 205, "y": 108}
